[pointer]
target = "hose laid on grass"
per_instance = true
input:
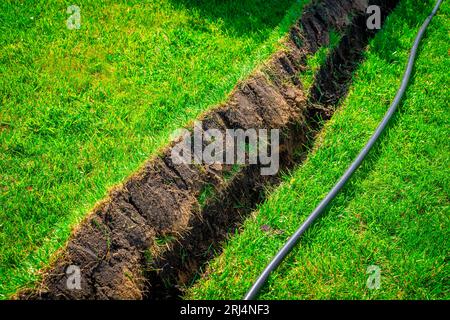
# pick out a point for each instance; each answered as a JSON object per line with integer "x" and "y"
{"x": 258, "y": 284}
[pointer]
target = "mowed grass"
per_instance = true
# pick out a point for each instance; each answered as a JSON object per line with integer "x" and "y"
{"x": 80, "y": 110}
{"x": 394, "y": 213}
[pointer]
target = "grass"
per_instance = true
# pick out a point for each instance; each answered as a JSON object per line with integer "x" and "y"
{"x": 315, "y": 61}
{"x": 80, "y": 110}
{"x": 394, "y": 213}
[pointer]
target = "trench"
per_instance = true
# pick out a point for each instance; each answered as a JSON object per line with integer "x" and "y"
{"x": 154, "y": 234}
{"x": 182, "y": 264}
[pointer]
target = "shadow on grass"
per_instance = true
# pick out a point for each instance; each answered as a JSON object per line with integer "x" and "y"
{"x": 240, "y": 17}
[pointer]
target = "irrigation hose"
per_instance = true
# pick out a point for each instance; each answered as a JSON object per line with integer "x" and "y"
{"x": 278, "y": 258}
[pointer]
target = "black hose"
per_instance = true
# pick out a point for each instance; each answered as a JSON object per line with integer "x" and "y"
{"x": 257, "y": 285}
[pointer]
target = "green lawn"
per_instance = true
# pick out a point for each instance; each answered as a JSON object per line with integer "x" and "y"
{"x": 80, "y": 110}
{"x": 394, "y": 213}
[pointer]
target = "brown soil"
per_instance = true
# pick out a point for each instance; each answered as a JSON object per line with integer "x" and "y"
{"x": 152, "y": 236}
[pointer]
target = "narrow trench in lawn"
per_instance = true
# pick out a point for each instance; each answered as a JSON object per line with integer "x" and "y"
{"x": 180, "y": 266}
